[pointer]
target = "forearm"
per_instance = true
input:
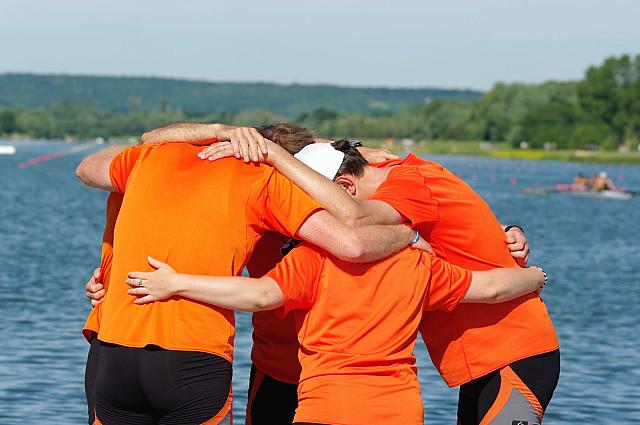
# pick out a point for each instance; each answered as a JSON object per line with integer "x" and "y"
{"x": 381, "y": 241}
{"x": 328, "y": 194}
{"x": 196, "y": 133}
{"x": 231, "y": 292}
{"x": 93, "y": 170}
{"x": 500, "y": 285}
{"x": 354, "y": 244}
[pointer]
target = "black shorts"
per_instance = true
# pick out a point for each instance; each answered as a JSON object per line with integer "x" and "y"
{"x": 516, "y": 394}
{"x": 270, "y": 402}
{"x": 152, "y": 385}
{"x": 90, "y": 373}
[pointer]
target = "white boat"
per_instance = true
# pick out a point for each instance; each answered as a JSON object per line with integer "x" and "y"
{"x": 607, "y": 194}
{"x": 7, "y": 149}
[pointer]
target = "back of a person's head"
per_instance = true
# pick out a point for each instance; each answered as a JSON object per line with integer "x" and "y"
{"x": 353, "y": 162}
{"x": 291, "y": 137}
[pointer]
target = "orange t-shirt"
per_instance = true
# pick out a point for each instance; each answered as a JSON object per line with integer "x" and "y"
{"x": 474, "y": 339}
{"x": 201, "y": 218}
{"x": 357, "y": 326}
{"x": 114, "y": 201}
{"x": 275, "y": 344}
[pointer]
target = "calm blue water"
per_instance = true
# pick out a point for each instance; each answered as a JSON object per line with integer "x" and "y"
{"x": 50, "y": 229}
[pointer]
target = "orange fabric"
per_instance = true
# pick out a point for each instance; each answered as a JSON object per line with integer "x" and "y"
{"x": 508, "y": 374}
{"x": 501, "y": 399}
{"x": 114, "y": 201}
{"x": 473, "y": 339}
{"x": 357, "y": 326}
{"x": 201, "y": 218}
{"x": 275, "y": 344}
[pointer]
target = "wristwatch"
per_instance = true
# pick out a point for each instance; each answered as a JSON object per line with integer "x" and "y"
{"x": 354, "y": 143}
{"x": 511, "y": 226}
{"x": 546, "y": 279}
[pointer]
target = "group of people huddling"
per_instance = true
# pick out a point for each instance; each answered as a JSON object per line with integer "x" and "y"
{"x": 351, "y": 252}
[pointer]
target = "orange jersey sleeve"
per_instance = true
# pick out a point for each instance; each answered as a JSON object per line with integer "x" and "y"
{"x": 405, "y": 189}
{"x": 448, "y": 284}
{"x": 122, "y": 165}
{"x": 286, "y": 206}
{"x": 298, "y": 275}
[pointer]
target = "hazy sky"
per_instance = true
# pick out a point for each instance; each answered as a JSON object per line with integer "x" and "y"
{"x": 398, "y": 43}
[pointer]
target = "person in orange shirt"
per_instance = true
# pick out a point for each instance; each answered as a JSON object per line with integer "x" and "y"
{"x": 356, "y": 323}
{"x": 206, "y": 218}
{"x": 485, "y": 349}
{"x": 98, "y": 283}
{"x": 275, "y": 370}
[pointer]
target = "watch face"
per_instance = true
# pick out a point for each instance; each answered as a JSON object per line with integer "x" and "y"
{"x": 355, "y": 143}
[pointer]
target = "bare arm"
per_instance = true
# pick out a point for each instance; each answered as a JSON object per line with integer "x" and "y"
{"x": 246, "y": 142}
{"x": 499, "y": 285}
{"x": 93, "y": 170}
{"x": 356, "y": 244}
{"x": 231, "y": 292}
{"x": 331, "y": 196}
{"x": 196, "y": 133}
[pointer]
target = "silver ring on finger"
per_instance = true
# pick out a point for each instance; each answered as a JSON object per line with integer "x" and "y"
{"x": 140, "y": 282}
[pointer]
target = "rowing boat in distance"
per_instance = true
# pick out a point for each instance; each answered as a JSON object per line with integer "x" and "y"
{"x": 581, "y": 190}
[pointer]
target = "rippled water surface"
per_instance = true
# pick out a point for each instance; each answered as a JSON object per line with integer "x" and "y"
{"x": 50, "y": 229}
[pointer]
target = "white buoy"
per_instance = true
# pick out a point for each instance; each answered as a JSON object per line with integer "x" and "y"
{"x": 7, "y": 149}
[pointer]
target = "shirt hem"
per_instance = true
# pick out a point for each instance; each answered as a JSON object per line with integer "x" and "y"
{"x": 274, "y": 376}
{"x": 218, "y": 353}
{"x": 500, "y": 366}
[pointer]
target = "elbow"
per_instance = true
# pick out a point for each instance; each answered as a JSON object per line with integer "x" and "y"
{"x": 144, "y": 138}
{"x": 81, "y": 171}
{"x": 494, "y": 297}
{"x": 350, "y": 215}
{"x": 353, "y": 249}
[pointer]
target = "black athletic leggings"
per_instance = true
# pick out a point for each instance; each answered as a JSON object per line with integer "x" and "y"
{"x": 152, "y": 385}
{"x": 90, "y": 373}
{"x": 270, "y": 402}
{"x": 517, "y": 393}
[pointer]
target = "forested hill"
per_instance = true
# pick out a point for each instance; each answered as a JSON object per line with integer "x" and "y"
{"x": 127, "y": 93}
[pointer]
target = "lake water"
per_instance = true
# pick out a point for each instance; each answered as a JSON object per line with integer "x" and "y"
{"x": 50, "y": 229}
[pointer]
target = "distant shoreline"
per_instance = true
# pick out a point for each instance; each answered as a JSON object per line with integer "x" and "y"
{"x": 506, "y": 151}
{"x": 442, "y": 147}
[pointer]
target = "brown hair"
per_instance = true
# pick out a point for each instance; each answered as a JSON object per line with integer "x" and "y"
{"x": 353, "y": 162}
{"x": 289, "y": 136}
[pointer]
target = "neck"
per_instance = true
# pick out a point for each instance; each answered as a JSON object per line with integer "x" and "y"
{"x": 372, "y": 179}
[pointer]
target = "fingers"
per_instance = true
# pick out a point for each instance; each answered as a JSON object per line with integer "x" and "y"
{"x": 516, "y": 246}
{"x": 252, "y": 144}
{"x": 156, "y": 264}
{"x": 235, "y": 145}
{"x": 95, "y": 296}
{"x": 145, "y": 300}
{"x": 94, "y": 287}
{"x": 132, "y": 282}
{"x": 262, "y": 142}
{"x": 139, "y": 291}
{"x": 387, "y": 154}
{"x": 244, "y": 143}
{"x": 96, "y": 273}
{"x": 217, "y": 151}
{"x": 138, "y": 275}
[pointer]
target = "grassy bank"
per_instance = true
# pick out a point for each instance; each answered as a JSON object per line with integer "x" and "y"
{"x": 505, "y": 150}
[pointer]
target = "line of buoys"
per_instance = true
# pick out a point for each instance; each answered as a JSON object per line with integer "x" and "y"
{"x": 58, "y": 154}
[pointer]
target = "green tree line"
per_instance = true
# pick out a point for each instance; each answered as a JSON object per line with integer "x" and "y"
{"x": 600, "y": 111}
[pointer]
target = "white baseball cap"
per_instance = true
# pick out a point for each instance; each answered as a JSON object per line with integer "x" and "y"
{"x": 322, "y": 157}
